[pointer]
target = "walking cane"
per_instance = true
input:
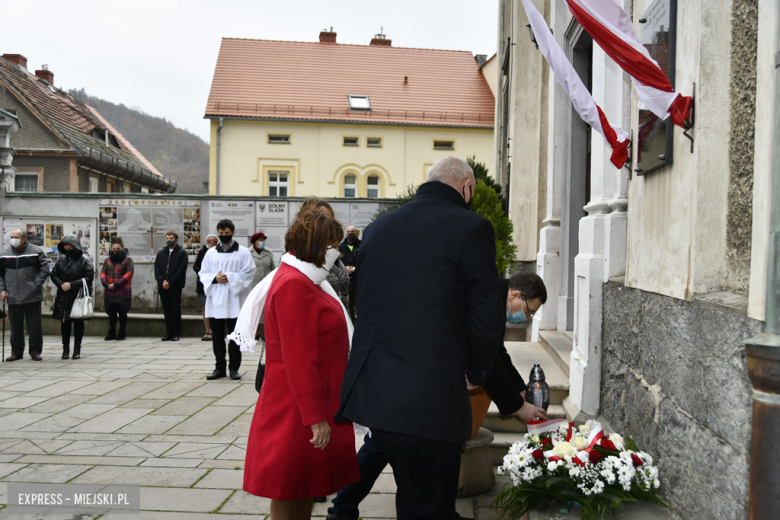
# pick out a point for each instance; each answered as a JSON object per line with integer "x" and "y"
{"x": 4, "y": 315}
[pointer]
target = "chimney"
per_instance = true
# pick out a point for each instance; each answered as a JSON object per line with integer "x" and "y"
{"x": 45, "y": 74}
{"x": 17, "y": 59}
{"x": 327, "y": 36}
{"x": 381, "y": 42}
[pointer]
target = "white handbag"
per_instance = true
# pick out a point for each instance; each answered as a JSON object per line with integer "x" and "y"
{"x": 83, "y": 306}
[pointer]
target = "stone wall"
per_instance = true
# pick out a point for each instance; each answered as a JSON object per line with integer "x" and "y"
{"x": 742, "y": 117}
{"x": 674, "y": 377}
{"x": 56, "y": 172}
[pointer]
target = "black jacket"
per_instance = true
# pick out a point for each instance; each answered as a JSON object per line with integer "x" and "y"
{"x": 198, "y": 262}
{"x": 23, "y": 272}
{"x": 505, "y": 383}
{"x": 171, "y": 267}
{"x": 349, "y": 256}
{"x": 72, "y": 270}
{"x": 429, "y": 313}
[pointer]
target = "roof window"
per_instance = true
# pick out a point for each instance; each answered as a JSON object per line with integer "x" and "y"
{"x": 359, "y": 103}
{"x": 278, "y": 138}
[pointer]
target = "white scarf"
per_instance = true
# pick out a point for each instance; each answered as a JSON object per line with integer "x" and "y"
{"x": 249, "y": 317}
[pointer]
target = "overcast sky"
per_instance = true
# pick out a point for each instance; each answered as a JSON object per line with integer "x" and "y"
{"x": 159, "y": 55}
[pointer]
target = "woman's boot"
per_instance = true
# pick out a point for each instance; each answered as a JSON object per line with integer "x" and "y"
{"x": 111, "y": 334}
{"x": 65, "y": 351}
{"x": 77, "y": 351}
{"x": 121, "y": 334}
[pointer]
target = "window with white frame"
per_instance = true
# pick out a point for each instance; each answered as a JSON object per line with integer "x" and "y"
{"x": 374, "y": 142}
{"x": 372, "y": 189}
{"x": 359, "y": 103}
{"x": 25, "y": 182}
{"x": 351, "y": 141}
{"x": 94, "y": 186}
{"x": 278, "y": 138}
{"x": 350, "y": 186}
{"x": 278, "y": 184}
{"x": 126, "y": 188}
{"x": 144, "y": 190}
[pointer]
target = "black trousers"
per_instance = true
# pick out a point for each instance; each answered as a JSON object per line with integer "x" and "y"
{"x": 171, "y": 303}
{"x": 371, "y": 462}
{"x": 17, "y": 315}
{"x": 221, "y": 328}
{"x": 114, "y": 311}
{"x": 426, "y": 473}
{"x": 352, "y": 309}
{"x": 78, "y": 333}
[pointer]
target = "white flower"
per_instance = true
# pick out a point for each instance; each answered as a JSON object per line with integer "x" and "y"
{"x": 584, "y": 457}
{"x": 535, "y": 439}
{"x": 656, "y": 484}
{"x": 584, "y": 429}
{"x": 616, "y": 438}
{"x": 564, "y": 448}
{"x": 553, "y": 465}
{"x": 613, "y": 461}
{"x": 563, "y": 428}
{"x": 580, "y": 442}
{"x": 598, "y": 487}
{"x": 500, "y": 470}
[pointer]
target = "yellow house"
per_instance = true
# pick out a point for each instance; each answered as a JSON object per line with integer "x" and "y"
{"x": 334, "y": 120}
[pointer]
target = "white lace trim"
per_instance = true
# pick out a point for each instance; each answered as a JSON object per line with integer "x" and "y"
{"x": 246, "y": 343}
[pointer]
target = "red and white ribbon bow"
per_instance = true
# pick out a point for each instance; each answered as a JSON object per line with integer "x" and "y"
{"x": 613, "y": 30}
{"x": 580, "y": 97}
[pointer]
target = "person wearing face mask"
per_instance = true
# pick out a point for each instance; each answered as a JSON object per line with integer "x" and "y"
{"x": 226, "y": 273}
{"x": 349, "y": 250}
{"x": 170, "y": 270}
{"x": 116, "y": 277}
{"x": 430, "y": 311}
{"x": 262, "y": 256}
{"x": 296, "y": 451}
{"x": 211, "y": 241}
{"x": 23, "y": 271}
{"x": 72, "y": 270}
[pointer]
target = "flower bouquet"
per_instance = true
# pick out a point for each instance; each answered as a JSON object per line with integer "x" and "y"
{"x": 557, "y": 464}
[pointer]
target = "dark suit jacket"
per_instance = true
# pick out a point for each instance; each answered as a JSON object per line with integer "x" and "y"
{"x": 429, "y": 312}
{"x": 505, "y": 383}
{"x": 175, "y": 270}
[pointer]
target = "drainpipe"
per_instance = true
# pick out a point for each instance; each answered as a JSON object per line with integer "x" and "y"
{"x": 763, "y": 359}
{"x": 219, "y": 131}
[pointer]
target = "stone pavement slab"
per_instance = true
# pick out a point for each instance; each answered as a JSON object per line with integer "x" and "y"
{"x": 112, "y": 420}
{"x": 209, "y": 421}
{"x": 177, "y": 499}
{"x": 47, "y": 473}
{"x": 220, "y": 479}
{"x": 169, "y": 477}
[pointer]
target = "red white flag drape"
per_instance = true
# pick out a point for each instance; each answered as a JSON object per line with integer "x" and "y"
{"x": 580, "y": 97}
{"x": 610, "y": 26}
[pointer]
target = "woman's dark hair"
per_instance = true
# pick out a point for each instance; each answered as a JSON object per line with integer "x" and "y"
{"x": 530, "y": 284}
{"x": 226, "y": 224}
{"x": 118, "y": 240}
{"x": 316, "y": 203}
{"x": 310, "y": 235}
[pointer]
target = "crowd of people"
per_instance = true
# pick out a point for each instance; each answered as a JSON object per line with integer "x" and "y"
{"x": 416, "y": 365}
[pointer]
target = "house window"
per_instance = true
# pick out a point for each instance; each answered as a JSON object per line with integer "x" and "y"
{"x": 93, "y": 185}
{"x": 350, "y": 186}
{"x": 126, "y": 188}
{"x": 25, "y": 182}
{"x": 278, "y": 184}
{"x": 359, "y": 103}
{"x": 444, "y": 145}
{"x": 144, "y": 190}
{"x": 372, "y": 191}
{"x": 278, "y": 138}
{"x": 109, "y": 187}
{"x": 374, "y": 142}
{"x": 351, "y": 141}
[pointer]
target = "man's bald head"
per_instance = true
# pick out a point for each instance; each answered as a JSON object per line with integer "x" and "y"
{"x": 453, "y": 171}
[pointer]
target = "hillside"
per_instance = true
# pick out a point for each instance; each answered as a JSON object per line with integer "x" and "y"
{"x": 178, "y": 154}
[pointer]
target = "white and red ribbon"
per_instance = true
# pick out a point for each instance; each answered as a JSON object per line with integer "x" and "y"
{"x": 537, "y": 427}
{"x": 613, "y": 30}
{"x": 571, "y": 82}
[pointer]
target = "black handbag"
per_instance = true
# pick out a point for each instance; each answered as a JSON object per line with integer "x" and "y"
{"x": 260, "y": 371}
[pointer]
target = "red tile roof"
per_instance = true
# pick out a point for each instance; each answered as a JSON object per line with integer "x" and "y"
{"x": 73, "y": 119}
{"x": 311, "y": 81}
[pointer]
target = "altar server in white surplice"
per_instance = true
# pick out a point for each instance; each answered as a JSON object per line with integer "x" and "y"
{"x": 226, "y": 274}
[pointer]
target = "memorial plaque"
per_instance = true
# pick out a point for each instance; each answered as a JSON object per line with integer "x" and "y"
{"x": 655, "y": 137}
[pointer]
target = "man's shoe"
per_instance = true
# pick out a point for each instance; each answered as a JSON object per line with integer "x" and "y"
{"x": 216, "y": 375}
{"x": 331, "y": 516}
{"x": 111, "y": 335}
{"x": 167, "y": 337}
{"x": 174, "y": 338}
{"x": 13, "y": 357}
{"x": 319, "y": 499}
{"x": 234, "y": 375}
{"x": 121, "y": 335}
{"x": 37, "y": 357}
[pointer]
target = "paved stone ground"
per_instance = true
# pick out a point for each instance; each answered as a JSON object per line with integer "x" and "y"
{"x": 140, "y": 411}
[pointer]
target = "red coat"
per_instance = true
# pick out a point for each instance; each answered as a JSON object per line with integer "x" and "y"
{"x": 306, "y": 354}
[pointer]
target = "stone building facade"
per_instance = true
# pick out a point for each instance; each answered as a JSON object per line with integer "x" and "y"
{"x": 654, "y": 279}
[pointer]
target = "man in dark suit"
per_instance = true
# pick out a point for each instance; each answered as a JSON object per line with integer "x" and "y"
{"x": 170, "y": 269}
{"x": 430, "y": 316}
{"x": 349, "y": 250}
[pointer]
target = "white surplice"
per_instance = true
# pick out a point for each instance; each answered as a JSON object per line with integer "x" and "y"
{"x": 224, "y": 300}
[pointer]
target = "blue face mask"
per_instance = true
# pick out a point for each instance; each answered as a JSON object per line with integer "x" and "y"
{"x": 518, "y": 317}
{"x": 259, "y": 245}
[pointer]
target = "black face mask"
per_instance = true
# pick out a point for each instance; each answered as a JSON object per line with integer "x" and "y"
{"x": 70, "y": 253}
{"x": 118, "y": 256}
{"x": 170, "y": 243}
{"x": 351, "y": 237}
{"x": 226, "y": 239}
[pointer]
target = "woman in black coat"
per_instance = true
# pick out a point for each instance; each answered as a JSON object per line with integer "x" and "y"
{"x": 71, "y": 271}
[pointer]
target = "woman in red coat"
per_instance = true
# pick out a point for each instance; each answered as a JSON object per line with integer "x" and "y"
{"x": 296, "y": 450}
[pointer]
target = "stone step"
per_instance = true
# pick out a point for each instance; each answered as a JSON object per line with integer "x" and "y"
{"x": 138, "y": 325}
{"x": 559, "y": 345}
{"x": 516, "y": 332}
{"x": 525, "y": 355}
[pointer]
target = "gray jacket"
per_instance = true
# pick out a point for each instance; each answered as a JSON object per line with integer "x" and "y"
{"x": 23, "y": 272}
{"x": 264, "y": 261}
